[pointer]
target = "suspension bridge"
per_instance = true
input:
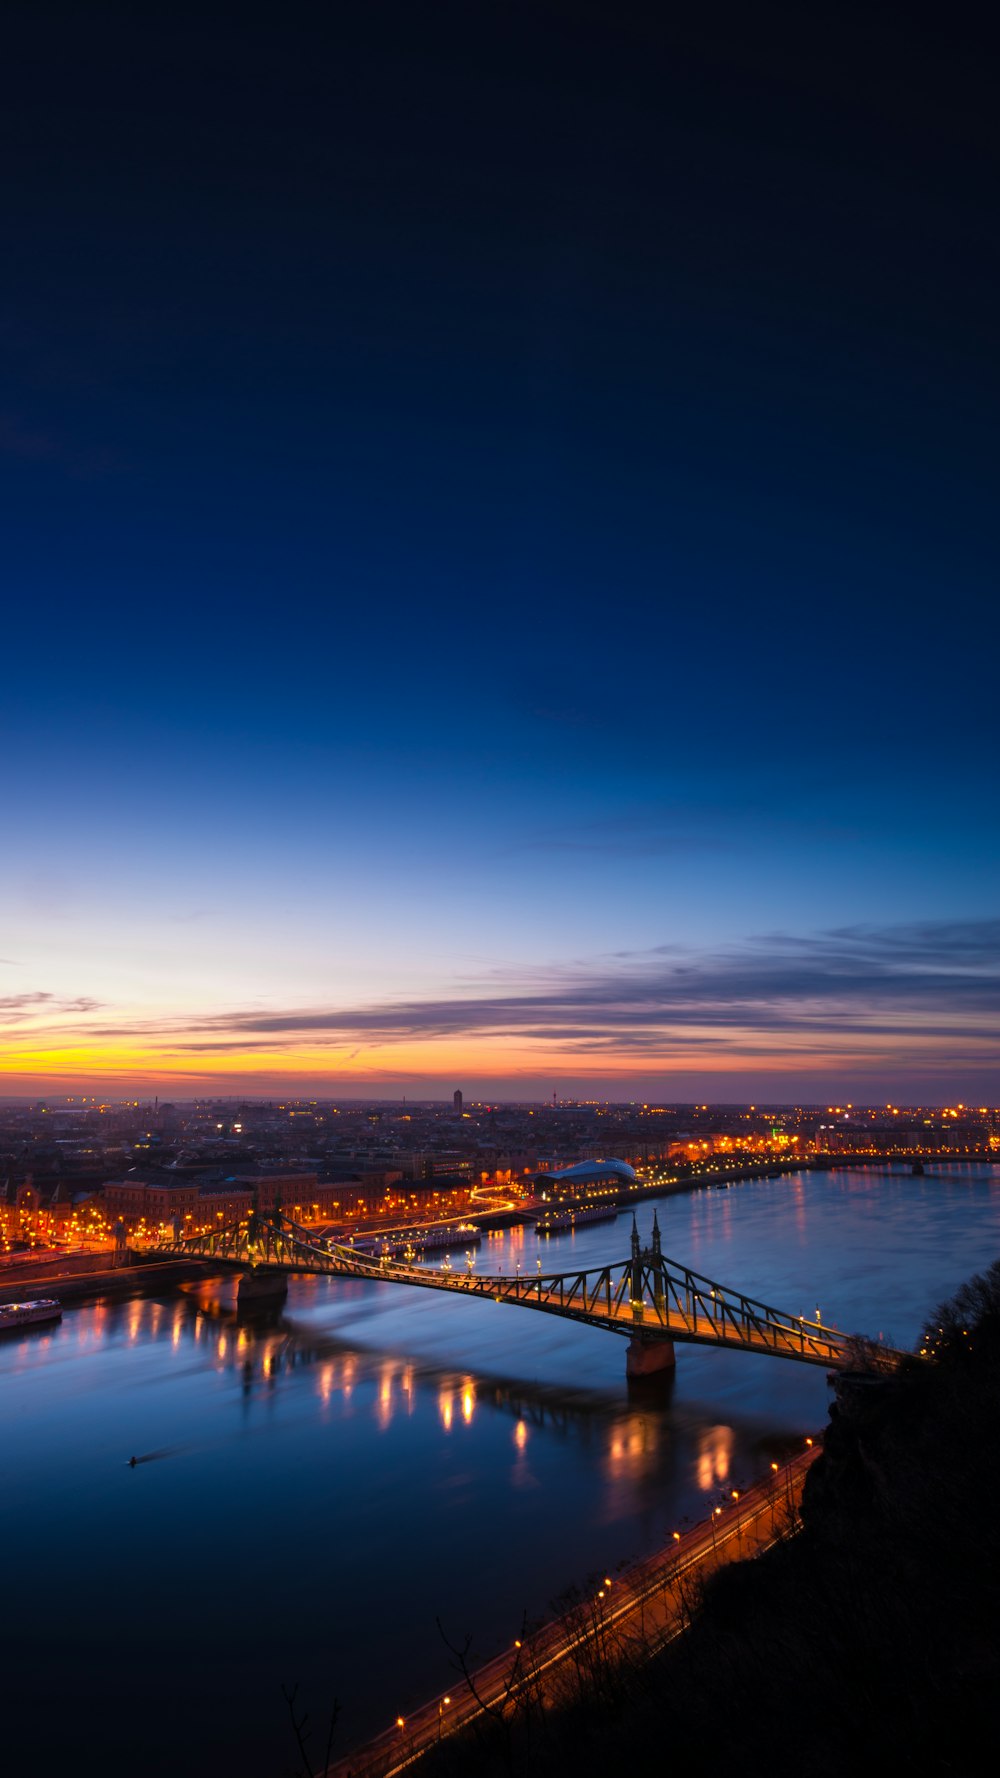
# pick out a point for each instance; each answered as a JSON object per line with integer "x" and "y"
{"x": 652, "y": 1300}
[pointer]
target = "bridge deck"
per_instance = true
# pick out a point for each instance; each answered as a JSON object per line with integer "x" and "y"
{"x": 647, "y": 1295}
{"x": 808, "y": 1345}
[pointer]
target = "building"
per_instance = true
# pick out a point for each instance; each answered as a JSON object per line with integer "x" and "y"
{"x": 152, "y": 1202}
{"x": 458, "y": 1101}
{"x": 587, "y": 1179}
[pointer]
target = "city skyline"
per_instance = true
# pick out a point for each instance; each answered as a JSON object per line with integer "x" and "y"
{"x": 498, "y": 525}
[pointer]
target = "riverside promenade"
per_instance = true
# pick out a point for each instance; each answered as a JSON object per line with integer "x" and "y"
{"x": 624, "y": 1619}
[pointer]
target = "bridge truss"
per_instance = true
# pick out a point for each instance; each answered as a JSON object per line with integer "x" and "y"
{"x": 646, "y": 1295}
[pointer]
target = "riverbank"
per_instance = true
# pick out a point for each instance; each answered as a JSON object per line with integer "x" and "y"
{"x": 121, "y": 1281}
{"x": 628, "y": 1197}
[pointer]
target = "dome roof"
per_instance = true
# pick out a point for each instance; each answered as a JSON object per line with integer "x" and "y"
{"x": 594, "y": 1170}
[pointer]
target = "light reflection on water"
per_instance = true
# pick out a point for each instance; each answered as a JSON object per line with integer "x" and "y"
{"x": 332, "y": 1478}
{"x": 715, "y": 1455}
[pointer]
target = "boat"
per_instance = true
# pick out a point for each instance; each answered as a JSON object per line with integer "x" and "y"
{"x": 409, "y": 1244}
{"x": 432, "y": 1240}
{"x": 44, "y": 1308}
{"x": 553, "y": 1222}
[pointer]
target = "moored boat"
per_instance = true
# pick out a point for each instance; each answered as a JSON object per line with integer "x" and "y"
{"x": 554, "y": 1222}
{"x": 45, "y": 1308}
{"x": 412, "y": 1243}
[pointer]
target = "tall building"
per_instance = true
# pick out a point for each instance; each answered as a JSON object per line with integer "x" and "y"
{"x": 457, "y": 1101}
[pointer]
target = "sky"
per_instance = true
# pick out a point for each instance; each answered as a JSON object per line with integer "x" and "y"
{"x": 499, "y": 549}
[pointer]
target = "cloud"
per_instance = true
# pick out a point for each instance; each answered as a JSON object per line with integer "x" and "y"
{"x": 932, "y": 986}
{"x": 16, "y": 1008}
{"x": 903, "y": 1003}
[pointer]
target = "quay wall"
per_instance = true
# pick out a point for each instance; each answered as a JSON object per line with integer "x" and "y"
{"x": 123, "y": 1281}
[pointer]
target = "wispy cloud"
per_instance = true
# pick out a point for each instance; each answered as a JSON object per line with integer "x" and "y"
{"x": 14, "y": 1008}
{"x": 857, "y": 988}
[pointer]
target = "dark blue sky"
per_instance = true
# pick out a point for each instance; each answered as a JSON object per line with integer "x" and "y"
{"x": 486, "y": 489}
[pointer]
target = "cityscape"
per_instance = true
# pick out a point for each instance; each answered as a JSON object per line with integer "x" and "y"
{"x": 77, "y": 1168}
{"x": 500, "y": 917}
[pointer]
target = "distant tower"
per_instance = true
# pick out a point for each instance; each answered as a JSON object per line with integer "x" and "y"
{"x": 457, "y": 1101}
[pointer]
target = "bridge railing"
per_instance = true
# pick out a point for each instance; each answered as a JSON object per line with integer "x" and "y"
{"x": 647, "y": 1293}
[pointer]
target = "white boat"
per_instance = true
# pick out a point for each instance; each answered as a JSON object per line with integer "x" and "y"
{"x": 45, "y": 1308}
{"x": 555, "y": 1222}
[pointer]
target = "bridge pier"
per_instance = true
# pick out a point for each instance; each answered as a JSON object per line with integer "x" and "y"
{"x": 261, "y": 1286}
{"x": 648, "y": 1357}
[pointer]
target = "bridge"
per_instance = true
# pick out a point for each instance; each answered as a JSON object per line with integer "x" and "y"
{"x": 652, "y": 1300}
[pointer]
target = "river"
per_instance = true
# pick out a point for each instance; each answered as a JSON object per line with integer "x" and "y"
{"x": 317, "y": 1491}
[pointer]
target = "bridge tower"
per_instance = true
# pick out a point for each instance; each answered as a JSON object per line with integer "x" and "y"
{"x": 656, "y": 1266}
{"x": 636, "y": 1267}
{"x": 259, "y": 1284}
{"x": 649, "y": 1354}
